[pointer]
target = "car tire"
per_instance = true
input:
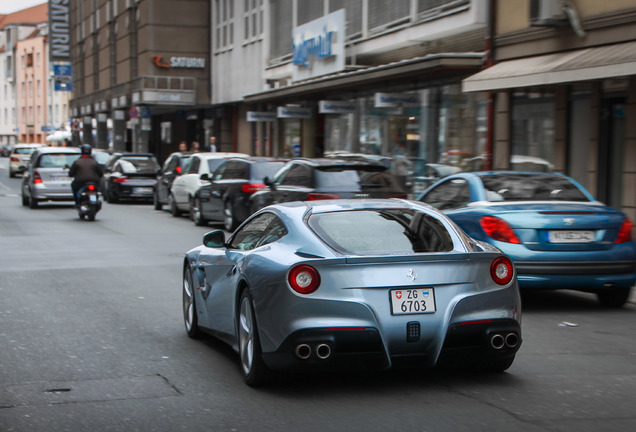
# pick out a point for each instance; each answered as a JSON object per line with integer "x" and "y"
{"x": 33, "y": 203}
{"x": 11, "y": 174}
{"x": 155, "y": 201}
{"x": 229, "y": 221}
{"x": 112, "y": 198}
{"x": 615, "y": 297}
{"x": 254, "y": 370}
{"x": 174, "y": 210}
{"x": 196, "y": 215}
{"x": 190, "y": 318}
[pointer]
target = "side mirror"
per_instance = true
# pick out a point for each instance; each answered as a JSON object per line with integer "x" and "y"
{"x": 214, "y": 239}
{"x": 268, "y": 182}
{"x": 204, "y": 177}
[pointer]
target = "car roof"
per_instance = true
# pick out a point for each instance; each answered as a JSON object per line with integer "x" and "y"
{"x": 336, "y": 163}
{"x": 42, "y": 150}
{"x": 220, "y": 155}
{"x": 34, "y": 145}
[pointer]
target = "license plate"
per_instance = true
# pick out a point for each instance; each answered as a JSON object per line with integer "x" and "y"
{"x": 61, "y": 178}
{"x": 146, "y": 190}
{"x": 92, "y": 198}
{"x": 412, "y": 301}
{"x": 571, "y": 236}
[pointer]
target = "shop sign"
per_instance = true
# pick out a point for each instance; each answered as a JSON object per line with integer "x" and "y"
{"x": 318, "y": 46}
{"x": 59, "y": 30}
{"x": 294, "y": 112}
{"x": 260, "y": 116}
{"x": 63, "y": 77}
{"x": 392, "y": 100}
{"x": 336, "y": 107}
{"x": 178, "y": 62}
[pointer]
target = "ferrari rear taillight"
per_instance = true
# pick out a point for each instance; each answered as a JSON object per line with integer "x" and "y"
{"x": 37, "y": 178}
{"x": 501, "y": 270}
{"x": 250, "y": 188}
{"x": 304, "y": 279}
{"x": 321, "y": 196}
{"x": 498, "y": 229}
{"x": 625, "y": 233}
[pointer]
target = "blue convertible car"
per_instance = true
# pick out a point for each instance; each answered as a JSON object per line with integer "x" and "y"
{"x": 557, "y": 234}
{"x": 353, "y": 284}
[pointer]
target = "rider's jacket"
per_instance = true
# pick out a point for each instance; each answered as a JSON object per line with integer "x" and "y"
{"x": 86, "y": 170}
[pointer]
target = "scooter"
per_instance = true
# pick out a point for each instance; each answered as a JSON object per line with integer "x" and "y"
{"x": 89, "y": 202}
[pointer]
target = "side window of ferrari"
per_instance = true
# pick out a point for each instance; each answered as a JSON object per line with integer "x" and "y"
{"x": 251, "y": 234}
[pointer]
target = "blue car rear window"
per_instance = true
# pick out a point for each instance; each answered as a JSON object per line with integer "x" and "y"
{"x": 531, "y": 187}
{"x": 381, "y": 232}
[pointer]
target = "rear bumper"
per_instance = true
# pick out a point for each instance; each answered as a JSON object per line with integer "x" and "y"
{"x": 575, "y": 267}
{"x": 577, "y": 275}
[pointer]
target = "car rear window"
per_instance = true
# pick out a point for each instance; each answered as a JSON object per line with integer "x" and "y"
{"x": 265, "y": 169}
{"x": 57, "y": 160}
{"x": 531, "y": 187}
{"x": 381, "y": 232}
{"x": 138, "y": 164}
{"x": 24, "y": 150}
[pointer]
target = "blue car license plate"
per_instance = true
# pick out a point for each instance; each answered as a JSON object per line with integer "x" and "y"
{"x": 412, "y": 301}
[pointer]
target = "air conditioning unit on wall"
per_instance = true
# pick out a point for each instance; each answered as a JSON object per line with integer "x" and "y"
{"x": 547, "y": 13}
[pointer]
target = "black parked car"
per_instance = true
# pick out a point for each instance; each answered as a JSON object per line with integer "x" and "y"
{"x": 227, "y": 197}
{"x": 320, "y": 179}
{"x": 172, "y": 168}
{"x": 130, "y": 176}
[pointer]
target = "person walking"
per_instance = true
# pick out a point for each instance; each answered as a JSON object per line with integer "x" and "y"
{"x": 213, "y": 144}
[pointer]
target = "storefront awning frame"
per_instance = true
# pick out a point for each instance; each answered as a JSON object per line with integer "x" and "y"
{"x": 431, "y": 66}
{"x": 610, "y": 61}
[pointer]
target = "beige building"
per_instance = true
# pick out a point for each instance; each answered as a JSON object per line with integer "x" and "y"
{"x": 563, "y": 77}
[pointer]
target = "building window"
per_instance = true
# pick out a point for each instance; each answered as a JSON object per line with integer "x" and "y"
{"x": 29, "y": 60}
{"x": 253, "y": 19}
{"x": 39, "y": 90}
{"x": 224, "y": 24}
{"x": 532, "y": 132}
{"x": 281, "y": 28}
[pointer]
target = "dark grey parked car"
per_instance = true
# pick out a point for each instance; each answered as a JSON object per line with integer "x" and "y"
{"x": 326, "y": 179}
{"x": 227, "y": 197}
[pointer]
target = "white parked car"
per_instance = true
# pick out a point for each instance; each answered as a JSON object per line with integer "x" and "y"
{"x": 196, "y": 173}
{"x": 19, "y": 157}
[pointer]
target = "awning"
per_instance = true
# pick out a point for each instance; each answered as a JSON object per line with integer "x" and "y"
{"x": 610, "y": 61}
{"x": 430, "y": 67}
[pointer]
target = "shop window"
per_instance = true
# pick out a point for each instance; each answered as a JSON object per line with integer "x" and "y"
{"x": 532, "y": 132}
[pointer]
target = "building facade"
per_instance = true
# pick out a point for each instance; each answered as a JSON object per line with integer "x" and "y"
{"x": 15, "y": 29}
{"x": 563, "y": 78}
{"x": 141, "y": 73}
{"x": 353, "y": 78}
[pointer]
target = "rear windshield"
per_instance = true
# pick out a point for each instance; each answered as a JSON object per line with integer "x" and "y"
{"x": 381, "y": 232}
{"x": 138, "y": 164}
{"x": 24, "y": 150}
{"x": 352, "y": 179}
{"x": 57, "y": 160}
{"x": 531, "y": 187}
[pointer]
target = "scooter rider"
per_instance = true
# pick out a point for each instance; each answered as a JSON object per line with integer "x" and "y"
{"x": 84, "y": 170}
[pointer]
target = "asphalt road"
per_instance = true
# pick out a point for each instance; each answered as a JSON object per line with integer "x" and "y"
{"x": 92, "y": 339}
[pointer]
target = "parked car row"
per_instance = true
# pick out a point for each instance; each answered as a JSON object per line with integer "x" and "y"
{"x": 228, "y": 187}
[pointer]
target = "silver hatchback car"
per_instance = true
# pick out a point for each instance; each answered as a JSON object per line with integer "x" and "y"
{"x": 46, "y": 177}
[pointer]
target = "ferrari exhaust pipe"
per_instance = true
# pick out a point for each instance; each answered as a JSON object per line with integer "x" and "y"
{"x": 512, "y": 340}
{"x": 303, "y": 351}
{"x": 497, "y": 341}
{"x": 323, "y": 351}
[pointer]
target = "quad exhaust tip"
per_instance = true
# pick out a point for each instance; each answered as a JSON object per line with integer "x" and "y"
{"x": 304, "y": 351}
{"x": 498, "y": 341}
